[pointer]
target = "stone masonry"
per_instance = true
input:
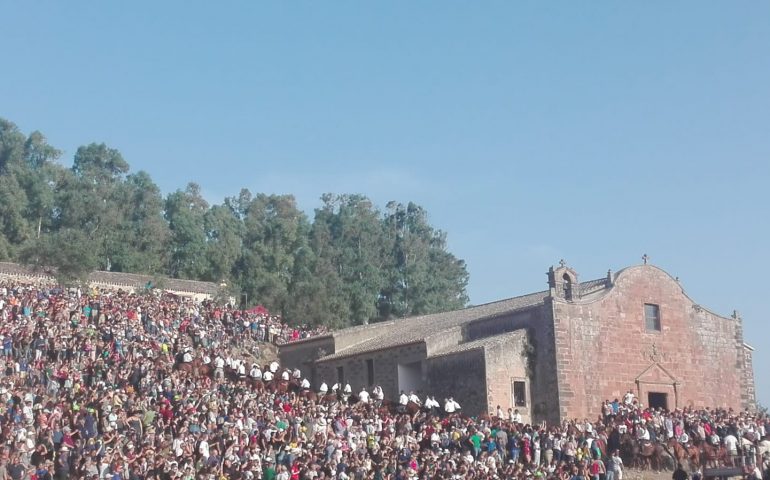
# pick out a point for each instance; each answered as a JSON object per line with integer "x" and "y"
{"x": 568, "y": 348}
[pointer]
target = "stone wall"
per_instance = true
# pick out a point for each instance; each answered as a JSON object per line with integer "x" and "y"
{"x": 543, "y": 384}
{"x": 444, "y": 339}
{"x": 506, "y": 362}
{"x": 460, "y": 375}
{"x": 605, "y": 349}
{"x": 302, "y": 354}
{"x": 385, "y": 367}
{"x": 749, "y": 397}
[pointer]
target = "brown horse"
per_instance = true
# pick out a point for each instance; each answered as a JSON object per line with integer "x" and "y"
{"x": 642, "y": 455}
{"x": 308, "y": 395}
{"x": 277, "y": 386}
{"x": 683, "y": 454}
{"x": 256, "y": 384}
{"x": 412, "y": 408}
{"x": 329, "y": 398}
{"x": 196, "y": 368}
{"x": 713, "y": 456}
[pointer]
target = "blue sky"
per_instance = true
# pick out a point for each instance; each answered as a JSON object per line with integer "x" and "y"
{"x": 531, "y": 131}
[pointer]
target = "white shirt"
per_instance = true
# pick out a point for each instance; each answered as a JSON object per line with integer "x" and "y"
{"x": 305, "y": 383}
{"x": 203, "y": 449}
{"x": 324, "y": 388}
{"x": 274, "y": 367}
{"x": 187, "y": 357}
{"x": 415, "y": 399}
{"x": 348, "y": 389}
{"x": 219, "y": 362}
{"x": 377, "y": 392}
{"x": 363, "y": 396}
{"x": 403, "y": 399}
{"x": 296, "y": 374}
{"x": 450, "y": 406}
{"x": 267, "y": 376}
{"x": 285, "y": 375}
{"x": 731, "y": 443}
{"x": 256, "y": 373}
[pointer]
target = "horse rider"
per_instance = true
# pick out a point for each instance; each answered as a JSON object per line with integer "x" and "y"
{"x": 285, "y": 376}
{"x": 267, "y": 376}
{"x": 296, "y": 375}
{"x": 274, "y": 367}
{"x": 431, "y": 404}
{"x": 363, "y": 397}
{"x": 415, "y": 399}
{"x": 206, "y": 358}
{"x": 187, "y": 356}
{"x": 450, "y": 406}
{"x": 403, "y": 401}
{"x": 241, "y": 371}
{"x": 378, "y": 395}
{"x": 219, "y": 367}
{"x": 642, "y": 434}
{"x": 324, "y": 389}
{"x": 305, "y": 384}
{"x": 255, "y": 372}
{"x": 347, "y": 392}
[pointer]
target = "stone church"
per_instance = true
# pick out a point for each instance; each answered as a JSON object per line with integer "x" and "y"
{"x": 553, "y": 354}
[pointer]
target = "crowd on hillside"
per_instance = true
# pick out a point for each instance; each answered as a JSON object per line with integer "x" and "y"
{"x": 93, "y": 386}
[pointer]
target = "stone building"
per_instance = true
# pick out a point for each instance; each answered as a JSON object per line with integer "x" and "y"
{"x": 553, "y": 354}
{"x": 115, "y": 281}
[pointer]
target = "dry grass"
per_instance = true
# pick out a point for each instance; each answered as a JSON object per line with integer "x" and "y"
{"x": 635, "y": 474}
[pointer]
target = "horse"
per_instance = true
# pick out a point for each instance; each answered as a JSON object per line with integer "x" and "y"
{"x": 642, "y": 455}
{"x": 412, "y": 408}
{"x": 256, "y": 384}
{"x": 652, "y": 455}
{"x": 713, "y": 456}
{"x": 308, "y": 395}
{"x": 195, "y": 368}
{"x": 683, "y": 454}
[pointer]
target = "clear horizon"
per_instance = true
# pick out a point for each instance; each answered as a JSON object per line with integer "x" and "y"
{"x": 530, "y": 132}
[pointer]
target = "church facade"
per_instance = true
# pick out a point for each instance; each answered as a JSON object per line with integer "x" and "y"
{"x": 554, "y": 354}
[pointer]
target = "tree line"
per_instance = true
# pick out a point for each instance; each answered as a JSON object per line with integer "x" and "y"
{"x": 351, "y": 264}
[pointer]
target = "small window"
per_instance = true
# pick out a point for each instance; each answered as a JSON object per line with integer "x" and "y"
{"x": 652, "y": 317}
{"x": 519, "y": 394}
{"x": 567, "y": 287}
{"x": 340, "y": 375}
{"x": 370, "y": 372}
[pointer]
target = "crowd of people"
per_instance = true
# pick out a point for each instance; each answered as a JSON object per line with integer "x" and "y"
{"x": 93, "y": 385}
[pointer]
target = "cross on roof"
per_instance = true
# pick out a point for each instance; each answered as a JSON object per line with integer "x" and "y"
{"x": 645, "y": 258}
{"x": 562, "y": 263}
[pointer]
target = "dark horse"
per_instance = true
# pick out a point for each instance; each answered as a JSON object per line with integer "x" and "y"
{"x": 642, "y": 455}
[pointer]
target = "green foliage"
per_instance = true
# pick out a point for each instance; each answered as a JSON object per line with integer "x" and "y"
{"x": 351, "y": 265}
{"x": 67, "y": 254}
